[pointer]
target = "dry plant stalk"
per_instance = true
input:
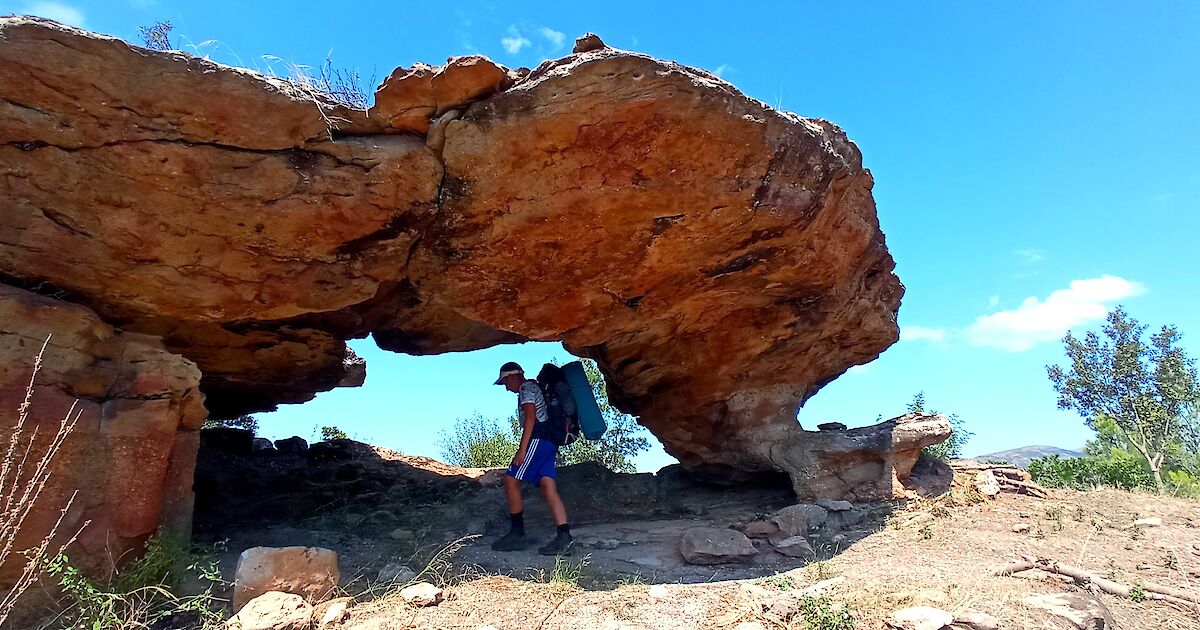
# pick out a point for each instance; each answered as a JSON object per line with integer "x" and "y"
{"x": 21, "y": 483}
{"x": 1150, "y": 589}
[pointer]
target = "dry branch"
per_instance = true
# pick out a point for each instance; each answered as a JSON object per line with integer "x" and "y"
{"x": 1083, "y": 576}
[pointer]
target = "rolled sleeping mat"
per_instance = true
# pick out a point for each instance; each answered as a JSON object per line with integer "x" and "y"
{"x": 591, "y": 421}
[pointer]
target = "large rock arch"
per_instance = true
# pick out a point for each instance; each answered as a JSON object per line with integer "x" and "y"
{"x": 721, "y": 260}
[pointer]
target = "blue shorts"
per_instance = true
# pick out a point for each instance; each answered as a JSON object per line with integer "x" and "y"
{"x": 539, "y": 462}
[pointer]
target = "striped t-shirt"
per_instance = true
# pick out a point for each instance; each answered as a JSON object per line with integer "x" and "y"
{"x": 531, "y": 393}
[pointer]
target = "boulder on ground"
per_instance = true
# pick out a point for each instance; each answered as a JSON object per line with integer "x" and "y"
{"x": 975, "y": 620}
{"x": 920, "y": 618}
{"x": 422, "y": 594}
{"x": 835, "y": 506}
{"x": 396, "y": 573}
{"x": 760, "y": 529}
{"x": 795, "y": 547}
{"x": 987, "y": 484}
{"x": 311, "y": 572}
{"x": 796, "y": 520}
{"x": 1084, "y": 611}
{"x": 715, "y": 545}
{"x": 273, "y": 610}
{"x": 263, "y": 446}
{"x": 294, "y": 445}
{"x": 332, "y": 612}
{"x": 831, "y": 426}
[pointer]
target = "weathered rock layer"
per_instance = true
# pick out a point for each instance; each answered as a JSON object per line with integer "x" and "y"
{"x": 719, "y": 259}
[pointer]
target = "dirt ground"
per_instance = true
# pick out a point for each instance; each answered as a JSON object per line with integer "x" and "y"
{"x": 929, "y": 554}
{"x": 376, "y": 507}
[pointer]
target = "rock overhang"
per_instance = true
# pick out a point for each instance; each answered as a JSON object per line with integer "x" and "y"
{"x": 719, "y": 259}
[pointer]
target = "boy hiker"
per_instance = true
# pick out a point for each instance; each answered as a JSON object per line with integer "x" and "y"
{"x": 533, "y": 463}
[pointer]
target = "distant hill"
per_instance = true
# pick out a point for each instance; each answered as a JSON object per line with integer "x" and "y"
{"x": 1022, "y": 456}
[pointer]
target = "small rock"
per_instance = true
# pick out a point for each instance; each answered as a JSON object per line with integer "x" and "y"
{"x": 1153, "y": 521}
{"x": 657, "y": 591}
{"x": 1021, "y": 528}
{"x": 273, "y": 611}
{"x": 311, "y": 572}
{"x": 845, "y": 519}
{"x": 920, "y": 618}
{"x": 587, "y": 43}
{"x": 606, "y": 543}
{"x": 987, "y": 484}
{"x": 975, "y": 620}
{"x": 1083, "y": 610}
{"x": 333, "y": 612}
{"x": 422, "y": 594}
{"x": 838, "y": 539}
{"x": 795, "y": 547}
{"x": 294, "y": 445}
{"x": 713, "y": 545}
{"x": 760, "y": 529}
{"x": 396, "y": 573}
{"x": 831, "y": 426}
{"x": 796, "y": 520}
{"x": 835, "y": 506}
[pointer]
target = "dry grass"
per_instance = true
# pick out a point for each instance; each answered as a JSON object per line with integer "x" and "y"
{"x": 23, "y": 476}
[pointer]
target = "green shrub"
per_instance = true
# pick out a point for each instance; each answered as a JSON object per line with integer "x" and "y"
{"x": 333, "y": 433}
{"x": 1119, "y": 470}
{"x": 822, "y": 613}
{"x": 142, "y": 594}
{"x": 249, "y": 423}
{"x": 1183, "y": 484}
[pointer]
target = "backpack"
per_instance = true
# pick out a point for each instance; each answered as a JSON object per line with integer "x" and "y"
{"x": 562, "y": 426}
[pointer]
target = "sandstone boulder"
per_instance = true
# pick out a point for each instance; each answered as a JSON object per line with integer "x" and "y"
{"x": 294, "y": 445}
{"x": 987, "y": 484}
{"x": 396, "y": 573}
{"x": 835, "y": 506}
{"x": 797, "y": 520}
{"x": 920, "y": 618}
{"x": 975, "y": 620}
{"x": 247, "y": 236}
{"x": 332, "y": 612}
{"x": 422, "y": 594}
{"x": 795, "y": 547}
{"x": 1082, "y": 610}
{"x": 273, "y": 611}
{"x": 831, "y": 426}
{"x": 714, "y": 545}
{"x": 311, "y": 572}
{"x": 760, "y": 529}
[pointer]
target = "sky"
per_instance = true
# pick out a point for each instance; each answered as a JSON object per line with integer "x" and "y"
{"x": 1036, "y": 164}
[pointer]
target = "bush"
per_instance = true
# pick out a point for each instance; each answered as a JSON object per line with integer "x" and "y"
{"x": 249, "y": 423}
{"x": 478, "y": 442}
{"x": 333, "y": 433}
{"x": 143, "y": 593}
{"x": 822, "y": 613}
{"x": 952, "y": 447}
{"x": 1183, "y": 484}
{"x": 1119, "y": 470}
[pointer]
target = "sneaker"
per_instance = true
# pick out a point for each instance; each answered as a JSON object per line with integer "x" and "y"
{"x": 562, "y": 545}
{"x": 512, "y": 541}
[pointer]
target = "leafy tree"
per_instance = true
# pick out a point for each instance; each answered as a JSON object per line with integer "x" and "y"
{"x": 952, "y": 447}
{"x": 333, "y": 433}
{"x": 1148, "y": 391}
{"x": 481, "y": 442}
{"x": 241, "y": 422}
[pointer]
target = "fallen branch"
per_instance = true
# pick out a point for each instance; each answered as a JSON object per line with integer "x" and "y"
{"x": 1082, "y": 576}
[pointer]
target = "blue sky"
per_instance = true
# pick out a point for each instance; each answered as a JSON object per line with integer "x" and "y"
{"x": 1036, "y": 163}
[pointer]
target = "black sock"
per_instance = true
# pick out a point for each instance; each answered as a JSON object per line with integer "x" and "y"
{"x": 565, "y": 528}
{"x": 518, "y": 522}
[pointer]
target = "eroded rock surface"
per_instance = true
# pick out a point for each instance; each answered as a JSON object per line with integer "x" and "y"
{"x": 719, "y": 259}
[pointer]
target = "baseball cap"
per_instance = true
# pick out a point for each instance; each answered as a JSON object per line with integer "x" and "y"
{"x": 508, "y": 369}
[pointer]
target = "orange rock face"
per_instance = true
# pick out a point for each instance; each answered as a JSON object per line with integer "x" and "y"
{"x": 719, "y": 259}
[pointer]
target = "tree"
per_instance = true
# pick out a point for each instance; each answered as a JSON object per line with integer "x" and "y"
{"x": 952, "y": 447}
{"x": 247, "y": 422}
{"x": 480, "y": 442}
{"x": 1148, "y": 391}
{"x": 333, "y": 433}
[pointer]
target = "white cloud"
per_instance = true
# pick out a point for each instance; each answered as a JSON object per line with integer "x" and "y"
{"x": 515, "y": 41}
{"x": 1040, "y": 321}
{"x": 922, "y": 333}
{"x": 555, "y": 38}
{"x": 61, "y": 13}
{"x": 1030, "y": 256}
{"x": 722, "y": 69}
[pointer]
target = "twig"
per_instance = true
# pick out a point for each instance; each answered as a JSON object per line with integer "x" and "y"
{"x": 1150, "y": 589}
